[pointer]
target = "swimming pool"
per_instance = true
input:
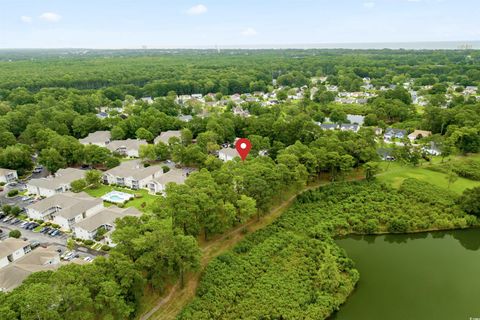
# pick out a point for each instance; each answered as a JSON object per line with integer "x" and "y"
{"x": 117, "y": 197}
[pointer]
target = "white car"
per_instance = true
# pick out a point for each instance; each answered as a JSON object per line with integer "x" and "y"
{"x": 88, "y": 259}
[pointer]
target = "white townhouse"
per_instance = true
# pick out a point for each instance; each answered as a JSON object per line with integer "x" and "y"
{"x": 60, "y": 182}
{"x": 40, "y": 259}
{"x": 7, "y": 175}
{"x": 165, "y": 136}
{"x": 227, "y": 154}
{"x": 88, "y": 228}
{"x": 65, "y": 209}
{"x": 99, "y": 138}
{"x": 158, "y": 185}
{"x": 132, "y": 174}
{"x": 11, "y": 250}
{"x": 128, "y": 148}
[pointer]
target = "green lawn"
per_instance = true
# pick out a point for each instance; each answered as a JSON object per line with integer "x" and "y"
{"x": 394, "y": 173}
{"x": 143, "y": 203}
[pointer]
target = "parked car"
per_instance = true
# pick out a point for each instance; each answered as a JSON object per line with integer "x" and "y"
{"x": 34, "y": 244}
{"x": 38, "y": 169}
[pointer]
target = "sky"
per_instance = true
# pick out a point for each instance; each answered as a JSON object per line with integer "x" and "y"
{"x": 208, "y": 23}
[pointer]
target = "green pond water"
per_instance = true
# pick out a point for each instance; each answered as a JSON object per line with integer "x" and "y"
{"x": 420, "y": 276}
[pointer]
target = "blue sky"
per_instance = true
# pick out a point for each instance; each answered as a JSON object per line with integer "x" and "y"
{"x": 184, "y": 23}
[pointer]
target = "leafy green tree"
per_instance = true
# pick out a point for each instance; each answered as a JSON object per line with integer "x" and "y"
{"x": 78, "y": 185}
{"x": 52, "y": 160}
{"x": 144, "y": 134}
{"x": 93, "y": 178}
{"x": 371, "y": 169}
{"x": 7, "y": 139}
{"x": 15, "y": 234}
{"x": 117, "y": 133}
{"x": 470, "y": 201}
{"x": 17, "y": 157}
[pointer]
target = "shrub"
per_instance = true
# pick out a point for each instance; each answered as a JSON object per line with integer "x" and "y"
{"x": 105, "y": 248}
{"x": 12, "y": 193}
{"x": 15, "y": 234}
{"x": 88, "y": 242}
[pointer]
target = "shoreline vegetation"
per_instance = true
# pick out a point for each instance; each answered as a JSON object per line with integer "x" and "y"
{"x": 216, "y": 274}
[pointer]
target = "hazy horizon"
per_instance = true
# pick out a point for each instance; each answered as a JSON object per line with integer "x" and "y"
{"x": 128, "y": 24}
{"x": 414, "y": 45}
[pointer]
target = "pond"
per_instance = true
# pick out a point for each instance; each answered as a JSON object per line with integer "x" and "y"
{"x": 420, "y": 276}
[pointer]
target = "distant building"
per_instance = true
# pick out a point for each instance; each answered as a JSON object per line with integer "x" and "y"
{"x": 186, "y": 118}
{"x": 165, "y": 136}
{"x": 40, "y": 259}
{"x": 7, "y": 175}
{"x": 227, "y": 154}
{"x": 418, "y": 134}
{"x": 349, "y": 127}
{"x": 89, "y": 227}
{"x": 132, "y": 174}
{"x": 60, "y": 182}
{"x": 392, "y": 133}
{"x": 65, "y": 209}
{"x": 11, "y": 250}
{"x": 129, "y": 147}
{"x": 328, "y": 126}
{"x": 159, "y": 184}
{"x": 99, "y": 138}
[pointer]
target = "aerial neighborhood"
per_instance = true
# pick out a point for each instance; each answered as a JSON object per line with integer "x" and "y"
{"x": 136, "y": 176}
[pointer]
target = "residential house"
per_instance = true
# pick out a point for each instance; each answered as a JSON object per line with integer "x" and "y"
{"x": 392, "y": 133}
{"x": 11, "y": 250}
{"x": 132, "y": 174}
{"x": 349, "y": 127}
{"x": 99, "y": 138}
{"x": 40, "y": 259}
{"x": 89, "y": 227}
{"x": 328, "y": 126}
{"x": 65, "y": 209}
{"x": 128, "y": 148}
{"x": 60, "y": 182}
{"x": 158, "y": 185}
{"x": 164, "y": 137}
{"x": 185, "y": 118}
{"x": 227, "y": 154}
{"x": 7, "y": 175}
{"x": 418, "y": 134}
{"x": 432, "y": 149}
{"x": 147, "y": 100}
{"x": 102, "y": 115}
{"x": 386, "y": 154}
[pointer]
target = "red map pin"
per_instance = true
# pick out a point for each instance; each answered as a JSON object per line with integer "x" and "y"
{"x": 243, "y": 147}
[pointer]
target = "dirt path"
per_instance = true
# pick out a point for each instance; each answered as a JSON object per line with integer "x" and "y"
{"x": 167, "y": 307}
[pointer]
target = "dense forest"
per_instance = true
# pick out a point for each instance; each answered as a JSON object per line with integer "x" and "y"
{"x": 297, "y": 254}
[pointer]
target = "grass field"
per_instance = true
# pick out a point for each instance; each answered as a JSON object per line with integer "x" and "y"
{"x": 394, "y": 173}
{"x": 142, "y": 203}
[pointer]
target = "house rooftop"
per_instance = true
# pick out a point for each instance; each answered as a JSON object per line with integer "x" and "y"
{"x": 129, "y": 144}
{"x": 134, "y": 169}
{"x": 39, "y": 259}
{"x": 10, "y": 245}
{"x": 174, "y": 175}
{"x": 69, "y": 204}
{"x": 96, "y": 137}
{"x": 5, "y": 171}
{"x": 165, "y": 136}
{"x": 106, "y": 217}
{"x": 62, "y": 177}
{"x": 228, "y": 152}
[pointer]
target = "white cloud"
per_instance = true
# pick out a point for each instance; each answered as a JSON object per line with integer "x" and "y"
{"x": 249, "y": 32}
{"x": 197, "y": 10}
{"x": 26, "y": 19}
{"x": 369, "y": 4}
{"x": 50, "y": 17}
